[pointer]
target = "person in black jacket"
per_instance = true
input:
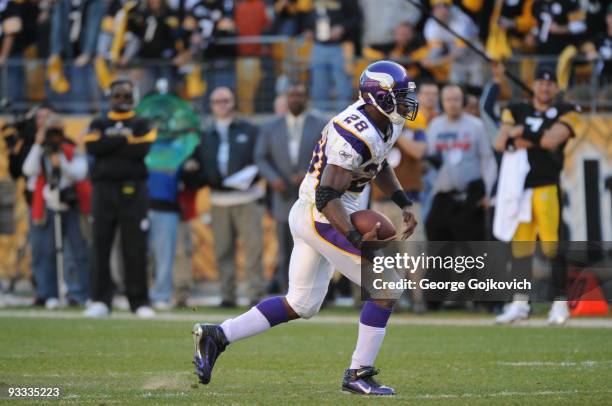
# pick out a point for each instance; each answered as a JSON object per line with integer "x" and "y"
{"x": 119, "y": 142}
{"x": 228, "y": 147}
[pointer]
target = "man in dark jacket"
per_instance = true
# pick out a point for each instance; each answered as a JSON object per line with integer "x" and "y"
{"x": 119, "y": 142}
{"x": 226, "y": 149}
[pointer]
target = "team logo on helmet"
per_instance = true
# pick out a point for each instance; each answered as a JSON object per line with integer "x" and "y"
{"x": 385, "y": 81}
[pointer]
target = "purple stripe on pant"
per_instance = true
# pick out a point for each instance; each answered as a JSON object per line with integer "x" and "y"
{"x": 374, "y": 315}
{"x": 274, "y": 310}
{"x": 333, "y": 236}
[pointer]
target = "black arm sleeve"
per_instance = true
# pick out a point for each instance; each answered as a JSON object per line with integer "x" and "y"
{"x": 99, "y": 145}
{"x": 488, "y": 100}
{"x": 139, "y": 145}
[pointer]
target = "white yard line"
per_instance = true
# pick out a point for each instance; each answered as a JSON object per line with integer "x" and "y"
{"x": 147, "y": 394}
{"x": 323, "y": 319}
{"x": 507, "y": 394}
{"x": 587, "y": 363}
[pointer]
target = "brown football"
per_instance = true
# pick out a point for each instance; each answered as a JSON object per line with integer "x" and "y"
{"x": 365, "y": 220}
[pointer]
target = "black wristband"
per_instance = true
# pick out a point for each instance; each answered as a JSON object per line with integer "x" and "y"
{"x": 355, "y": 238}
{"x": 399, "y": 197}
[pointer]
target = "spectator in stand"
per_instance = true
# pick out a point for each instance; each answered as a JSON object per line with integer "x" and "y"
{"x": 408, "y": 49}
{"x": 516, "y": 19}
{"x": 56, "y": 171}
{"x": 447, "y": 51}
{"x": 74, "y": 34}
{"x": 227, "y": 148}
{"x": 251, "y": 21}
{"x": 332, "y": 25}
{"x": 119, "y": 142}
{"x": 209, "y": 21}
{"x": 480, "y": 12}
{"x": 559, "y": 23}
{"x": 596, "y": 11}
{"x": 393, "y": 13}
{"x": 11, "y": 50}
{"x": 153, "y": 35}
{"x": 292, "y": 136}
{"x": 289, "y": 16}
{"x": 600, "y": 48}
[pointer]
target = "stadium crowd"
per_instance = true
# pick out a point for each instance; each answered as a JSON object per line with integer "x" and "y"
{"x": 105, "y": 178}
{"x": 198, "y": 45}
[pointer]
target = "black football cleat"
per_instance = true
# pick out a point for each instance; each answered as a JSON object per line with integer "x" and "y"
{"x": 360, "y": 381}
{"x": 209, "y": 341}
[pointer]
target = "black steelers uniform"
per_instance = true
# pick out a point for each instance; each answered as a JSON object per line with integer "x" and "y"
{"x": 119, "y": 143}
{"x": 562, "y": 12}
{"x": 543, "y": 180}
{"x": 159, "y": 34}
{"x": 203, "y": 16}
{"x": 546, "y": 166}
{"x": 519, "y": 12}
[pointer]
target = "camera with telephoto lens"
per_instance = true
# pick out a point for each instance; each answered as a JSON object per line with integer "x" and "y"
{"x": 53, "y": 140}
{"x": 20, "y": 127}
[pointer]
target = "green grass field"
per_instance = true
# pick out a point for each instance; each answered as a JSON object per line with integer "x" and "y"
{"x": 134, "y": 362}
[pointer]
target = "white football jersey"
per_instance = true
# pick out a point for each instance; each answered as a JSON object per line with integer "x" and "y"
{"x": 350, "y": 140}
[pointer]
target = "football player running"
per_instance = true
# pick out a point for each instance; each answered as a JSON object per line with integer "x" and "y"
{"x": 351, "y": 153}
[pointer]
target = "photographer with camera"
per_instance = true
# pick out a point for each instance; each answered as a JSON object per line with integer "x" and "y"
{"x": 56, "y": 169}
{"x": 19, "y": 136}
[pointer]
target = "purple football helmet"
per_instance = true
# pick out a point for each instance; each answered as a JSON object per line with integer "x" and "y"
{"x": 386, "y": 86}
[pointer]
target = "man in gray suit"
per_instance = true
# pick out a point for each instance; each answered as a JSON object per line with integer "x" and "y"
{"x": 282, "y": 153}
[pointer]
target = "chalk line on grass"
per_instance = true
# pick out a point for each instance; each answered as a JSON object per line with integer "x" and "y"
{"x": 322, "y": 319}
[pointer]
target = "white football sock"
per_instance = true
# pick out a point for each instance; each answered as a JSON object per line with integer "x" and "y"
{"x": 245, "y": 325}
{"x": 520, "y": 297}
{"x": 369, "y": 341}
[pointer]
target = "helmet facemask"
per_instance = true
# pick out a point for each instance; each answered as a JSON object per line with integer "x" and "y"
{"x": 401, "y": 105}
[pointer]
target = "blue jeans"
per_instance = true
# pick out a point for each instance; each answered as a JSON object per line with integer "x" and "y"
{"x": 76, "y": 257}
{"x": 92, "y": 12}
{"x": 327, "y": 72}
{"x": 12, "y": 83}
{"x": 162, "y": 242}
{"x": 82, "y": 95}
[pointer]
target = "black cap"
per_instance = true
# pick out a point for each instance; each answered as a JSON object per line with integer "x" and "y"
{"x": 546, "y": 73}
